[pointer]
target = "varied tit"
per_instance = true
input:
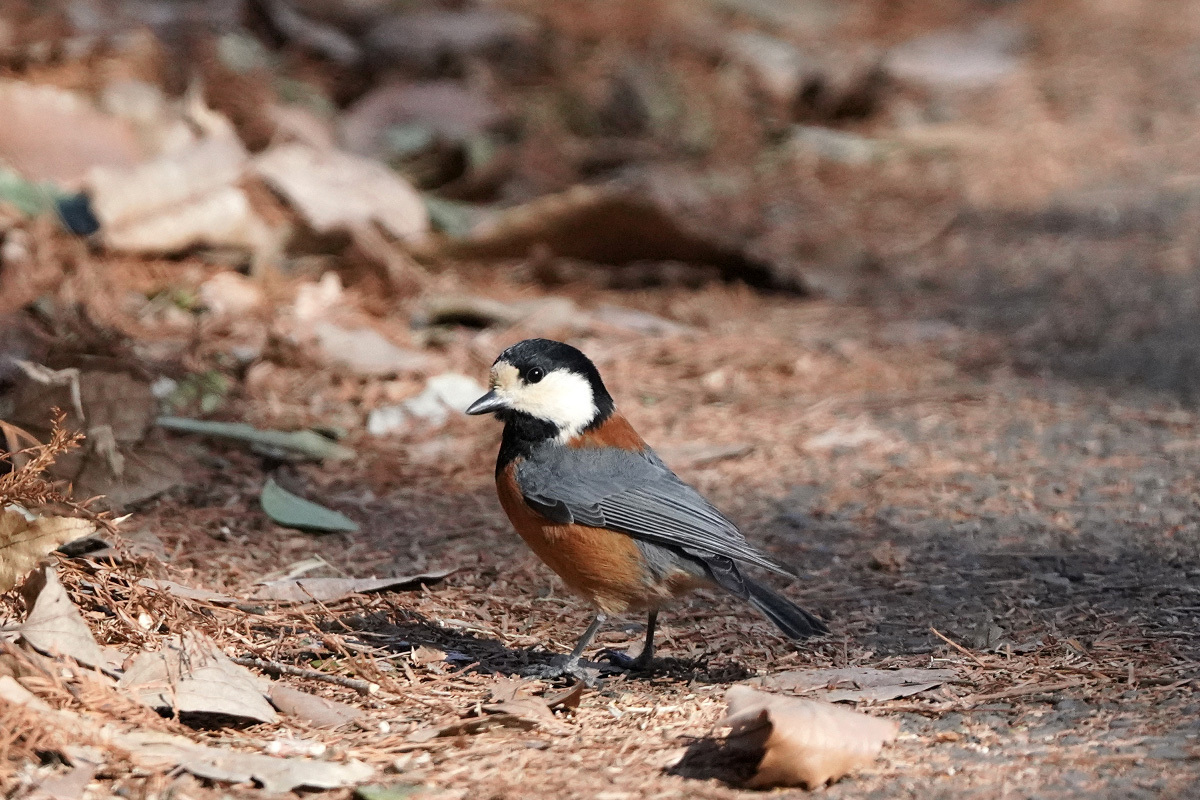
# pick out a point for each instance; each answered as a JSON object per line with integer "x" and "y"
{"x": 595, "y": 503}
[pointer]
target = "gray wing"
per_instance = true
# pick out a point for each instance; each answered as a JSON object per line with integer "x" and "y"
{"x": 635, "y": 494}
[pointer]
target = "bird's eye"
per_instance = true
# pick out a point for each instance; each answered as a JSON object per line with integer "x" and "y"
{"x": 534, "y": 375}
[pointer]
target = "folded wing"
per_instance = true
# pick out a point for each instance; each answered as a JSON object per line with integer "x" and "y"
{"x": 635, "y": 494}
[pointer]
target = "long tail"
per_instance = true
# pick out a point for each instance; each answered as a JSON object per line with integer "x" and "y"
{"x": 790, "y": 618}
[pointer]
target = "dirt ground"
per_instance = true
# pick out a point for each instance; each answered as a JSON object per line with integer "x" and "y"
{"x": 976, "y": 439}
{"x": 1045, "y": 525}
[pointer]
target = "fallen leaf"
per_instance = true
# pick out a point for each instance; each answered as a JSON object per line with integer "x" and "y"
{"x": 156, "y": 751}
{"x": 191, "y": 676}
{"x": 335, "y": 191}
{"x": 15, "y": 694}
{"x": 122, "y": 458}
{"x": 365, "y": 351}
{"x": 802, "y": 742}
{"x": 472, "y": 726}
{"x": 292, "y": 511}
{"x": 857, "y": 684}
{"x": 567, "y": 698}
{"x": 321, "y": 712}
{"x": 533, "y": 709}
{"x": 69, "y": 785}
{"x": 395, "y": 791}
{"x": 183, "y": 199}
{"x": 275, "y": 775}
{"x": 327, "y": 590}
{"x": 54, "y": 625}
{"x": 296, "y": 444}
{"x": 187, "y": 592}
{"x": 25, "y": 542}
{"x": 506, "y": 688}
{"x": 606, "y": 226}
{"x": 425, "y": 655}
{"x": 50, "y": 134}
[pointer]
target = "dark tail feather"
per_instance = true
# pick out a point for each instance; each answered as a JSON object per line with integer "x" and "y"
{"x": 790, "y": 618}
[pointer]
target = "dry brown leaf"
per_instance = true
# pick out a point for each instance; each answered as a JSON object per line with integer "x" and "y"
{"x": 185, "y": 198}
{"x": 335, "y": 191}
{"x": 327, "y": 590}
{"x": 567, "y": 698}
{"x": 321, "y": 712}
{"x": 187, "y": 592}
{"x": 509, "y": 696}
{"x": 275, "y": 775}
{"x": 425, "y": 655}
{"x": 803, "y": 742}
{"x": 472, "y": 725}
{"x": 192, "y": 676}
{"x": 533, "y": 709}
{"x": 50, "y": 134}
{"x": 124, "y": 458}
{"x": 156, "y": 751}
{"x": 69, "y": 785}
{"x": 605, "y": 225}
{"x": 856, "y": 684}
{"x": 24, "y": 542}
{"x": 54, "y": 625}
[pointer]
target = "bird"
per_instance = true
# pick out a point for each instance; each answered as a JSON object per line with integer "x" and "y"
{"x": 602, "y": 510}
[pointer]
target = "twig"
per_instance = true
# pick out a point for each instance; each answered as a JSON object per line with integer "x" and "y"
{"x": 957, "y": 646}
{"x": 274, "y": 667}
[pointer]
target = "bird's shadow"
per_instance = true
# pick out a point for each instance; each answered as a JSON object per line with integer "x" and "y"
{"x": 468, "y": 652}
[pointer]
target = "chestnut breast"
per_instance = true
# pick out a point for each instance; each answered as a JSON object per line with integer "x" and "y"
{"x": 600, "y": 565}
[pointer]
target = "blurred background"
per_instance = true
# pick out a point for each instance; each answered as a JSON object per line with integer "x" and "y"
{"x": 909, "y": 288}
{"x": 788, "y": 230}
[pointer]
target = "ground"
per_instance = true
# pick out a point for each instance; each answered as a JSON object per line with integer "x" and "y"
{"x": 1045, "y": 526}
{"x": 974, "y": 434}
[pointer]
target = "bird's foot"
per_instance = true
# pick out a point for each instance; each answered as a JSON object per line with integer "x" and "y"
{"x": 563, "y": 667}
{"x": 623, "y": 661}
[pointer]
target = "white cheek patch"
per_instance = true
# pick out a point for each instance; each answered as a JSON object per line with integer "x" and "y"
{"x": 562, "y": 397}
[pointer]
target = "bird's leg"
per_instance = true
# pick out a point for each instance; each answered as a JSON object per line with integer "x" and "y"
{"x": 647, "y": 655}
{"x": 644, "y": 658}
{"x": 571, "y": 665}
{"x": 586, "y": 639}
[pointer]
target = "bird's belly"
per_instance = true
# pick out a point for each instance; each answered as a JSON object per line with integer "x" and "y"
{"x": 602, "y": 566}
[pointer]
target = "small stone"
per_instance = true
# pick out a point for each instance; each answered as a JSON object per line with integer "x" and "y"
{"x": 443, "y": 394}
{"x": 455, "y": 391}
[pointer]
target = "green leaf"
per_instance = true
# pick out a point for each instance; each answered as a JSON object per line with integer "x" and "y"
{"x": 291, "y": 511}
{"x": 281, "y": 444}
{"x": 395, "y": 791}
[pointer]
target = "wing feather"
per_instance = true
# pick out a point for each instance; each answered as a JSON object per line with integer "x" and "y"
{"x": 635, "y": 494}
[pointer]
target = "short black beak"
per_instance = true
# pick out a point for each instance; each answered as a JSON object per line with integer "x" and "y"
{"x": 487, "y": 404}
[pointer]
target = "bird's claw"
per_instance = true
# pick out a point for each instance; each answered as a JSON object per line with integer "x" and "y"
{"x": 625, "y": 662}
{"x": 563, "y": 667}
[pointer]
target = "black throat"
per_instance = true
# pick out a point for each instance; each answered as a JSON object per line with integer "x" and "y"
{"x": 523, "y": 432}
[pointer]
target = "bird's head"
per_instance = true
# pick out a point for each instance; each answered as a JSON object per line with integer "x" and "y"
{"x": 549, "y": 381}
